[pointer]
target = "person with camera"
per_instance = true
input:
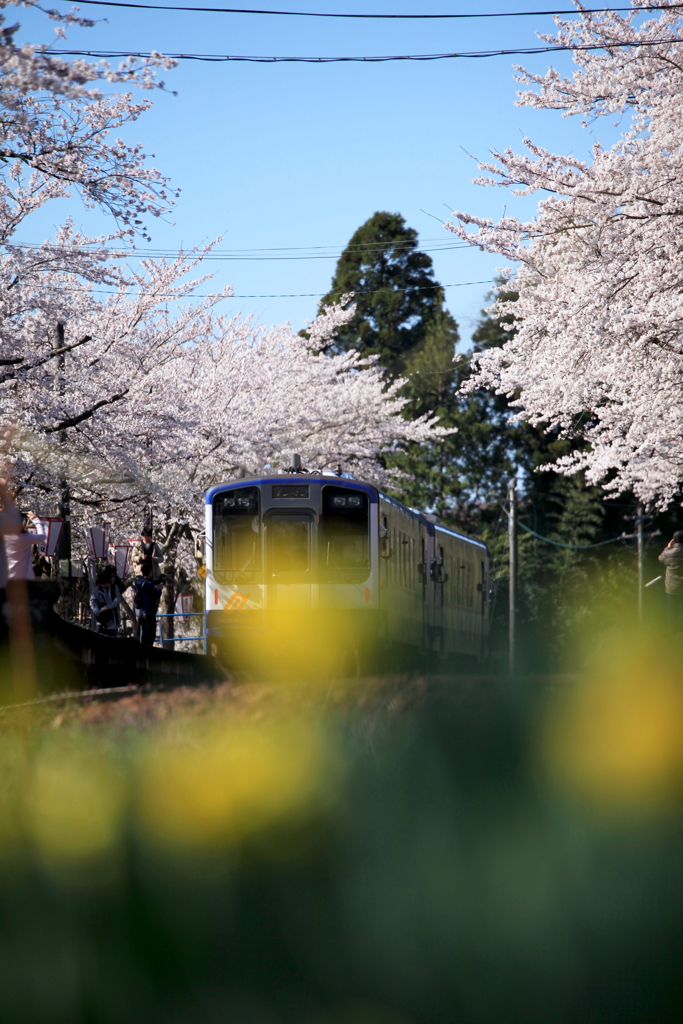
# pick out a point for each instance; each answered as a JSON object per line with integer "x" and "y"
{"x": 672, "y": 557}
{"x": 105, "y": 602}
{"x": 147, "y": 597}
{"x": 148, "y": 549}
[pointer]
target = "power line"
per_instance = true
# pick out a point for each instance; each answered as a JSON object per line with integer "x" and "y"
{"x": 559, "y": 544}
{"x": 396, "y": 17}
{"x": 573, "y": 547}
{"x": 227, "y": 257}
{"x": 292, "y": 295}
{"x": 360, "y": 246}
{"x": 220, "y": 58}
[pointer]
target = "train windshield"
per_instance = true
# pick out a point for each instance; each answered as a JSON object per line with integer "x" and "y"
{"x": 237, "y": 531}
{"x": 289, "y": 543}
{"x": 344, "y": 535}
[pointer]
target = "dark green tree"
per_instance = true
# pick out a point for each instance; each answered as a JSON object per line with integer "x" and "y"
{"x": 396, "y": 294}
{"x": 463, "y": 477}
{"x": 454, "y": 474}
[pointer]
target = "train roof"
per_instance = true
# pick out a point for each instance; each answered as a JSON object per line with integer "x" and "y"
{"x": 277, "y": 478}
{"x": 345, "y": 481}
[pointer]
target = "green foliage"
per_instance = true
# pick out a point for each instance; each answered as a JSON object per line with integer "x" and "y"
{"x": 395, "y": 291}
{"x": 463, "y": 477}
{"x": 455, "y": 474}
{"x": 559, "y": 588}
{"x": 450, "y": 875}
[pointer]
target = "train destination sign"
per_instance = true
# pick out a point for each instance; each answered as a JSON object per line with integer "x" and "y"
{"x": 291, "y": 491}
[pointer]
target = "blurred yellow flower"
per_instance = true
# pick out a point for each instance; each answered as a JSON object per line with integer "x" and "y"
{"x": 617, "y": 736}
{"x": 234, "y": 781}
{"x": 74, "y": 803}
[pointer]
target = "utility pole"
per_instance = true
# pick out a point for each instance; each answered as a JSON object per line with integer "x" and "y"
{"x": 512, "y": 537}
{"x": 639, "y": 520}
{"x": 64, "y": 504}
{"x": 641, "y": 548}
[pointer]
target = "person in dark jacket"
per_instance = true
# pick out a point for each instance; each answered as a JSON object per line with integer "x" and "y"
{"x": 147, "y": 597}
{"x": 672, "y": 557}
{"x": 105, "y": 601}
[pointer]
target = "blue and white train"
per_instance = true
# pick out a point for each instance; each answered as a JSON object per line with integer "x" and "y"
{"x": 359, "y": 569}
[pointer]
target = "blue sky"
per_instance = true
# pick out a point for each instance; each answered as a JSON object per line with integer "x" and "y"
{"x": 299, "y": 155}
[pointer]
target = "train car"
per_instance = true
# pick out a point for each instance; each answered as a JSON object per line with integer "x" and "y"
{"x": 296, "y": 562}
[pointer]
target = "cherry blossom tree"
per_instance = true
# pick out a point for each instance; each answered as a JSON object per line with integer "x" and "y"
{"x": 120, "y": 392}
{"x": 56, "y": 129}
{"x": 57, "y": 126}
{"x": 597, "y": 349}
{"x": 150, "y": 406}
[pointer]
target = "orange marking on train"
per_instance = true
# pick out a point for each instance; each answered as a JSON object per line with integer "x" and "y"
{"x": 235, "y": 603}
{"x": 367, "y": 595}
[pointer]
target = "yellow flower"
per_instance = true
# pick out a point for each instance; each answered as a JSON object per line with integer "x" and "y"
{"x": 617, "y": 737}
{"x": 74, "y": 803}
{"x": 235, "y": 781}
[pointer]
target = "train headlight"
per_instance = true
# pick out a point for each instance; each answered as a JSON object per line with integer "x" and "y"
{"x": 338, "y": 502}
{"x": 244, "y": 502}
{"x": 354, "y": 500}
{"x": 228, "y": 502}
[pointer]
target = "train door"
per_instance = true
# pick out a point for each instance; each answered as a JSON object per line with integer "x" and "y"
{"x": 484, "y": 588}
{"x": 437, "y": 578}
{"x": 289, "y": 552}
{"x": 439, "y": 603}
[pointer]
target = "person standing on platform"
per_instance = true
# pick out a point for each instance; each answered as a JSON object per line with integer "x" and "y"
{"x": 147, "y": 597}
{"x": 105, "y": 601}
{"x": 148, "y": 549}
{"x": 19, "y": 550}
{"x": 672, "y": 557}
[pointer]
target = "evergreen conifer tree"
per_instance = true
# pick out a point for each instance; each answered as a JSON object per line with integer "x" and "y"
{"x": 396, "y": 294}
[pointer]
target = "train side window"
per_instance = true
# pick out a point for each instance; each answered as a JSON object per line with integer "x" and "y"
{"x": 414, "y": 566}
{"x": 406, "y": 561}
{"x": 384, "y": 539}
{"x": 401, "y": 552}
{"x": 401, "y": 555}
{"x": 443, "y": 575}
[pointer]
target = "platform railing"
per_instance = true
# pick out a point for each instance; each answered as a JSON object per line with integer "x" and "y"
{"x": 180, "y": 639}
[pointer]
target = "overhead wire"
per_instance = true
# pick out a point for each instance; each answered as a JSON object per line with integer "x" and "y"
{"x": 221, "y": 58}
{"x": 573, "y": 547}
{"x": 396, "y": 17}
{"x": 295, "y": 295}
{"x": 560, "y": 544}
{"x": 231, "y": 255}
{"x": 360, "y": 246}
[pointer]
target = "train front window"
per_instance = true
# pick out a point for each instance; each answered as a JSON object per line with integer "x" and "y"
{"x": 289, "y": 543}
{"x": 237, "y": 532}
{"x": 344, "y": 535}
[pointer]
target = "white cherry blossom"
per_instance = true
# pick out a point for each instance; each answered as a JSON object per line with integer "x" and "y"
{"x": 598, "y": 343}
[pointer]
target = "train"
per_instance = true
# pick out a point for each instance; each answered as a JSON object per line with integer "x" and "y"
{"x": 298, "y": 562}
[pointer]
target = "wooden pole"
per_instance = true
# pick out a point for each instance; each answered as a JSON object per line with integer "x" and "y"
{"x": 512, "y": 538}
